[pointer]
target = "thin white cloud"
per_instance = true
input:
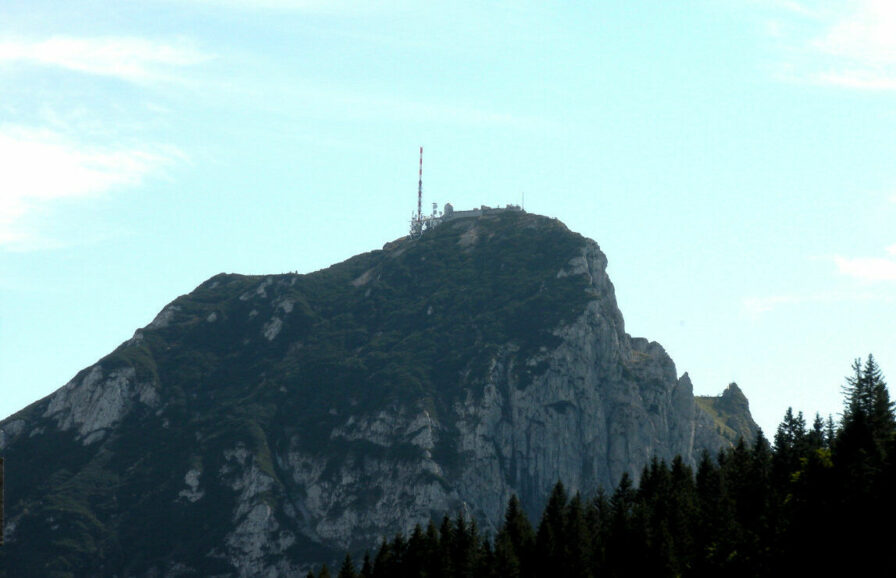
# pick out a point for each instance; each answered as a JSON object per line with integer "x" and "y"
{"x": 858, "y": 79}
{"x": 864, "y": 33}
{"x": 309, "y": 6}
{"x": 792, "y": 6}
{"x": 39, "y": 167}
{"x": 386, "y": 106}
{"x": 867, "y": 268}
{"x": 132, "y": 59}
{"x": 755, "y": 306}
{"x": 850, "y": 44}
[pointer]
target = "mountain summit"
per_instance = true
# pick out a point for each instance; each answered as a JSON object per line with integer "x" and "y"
{"x": 263, "y": 423}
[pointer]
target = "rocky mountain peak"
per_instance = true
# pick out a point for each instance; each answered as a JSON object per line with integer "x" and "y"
{"x": 734, "y": 400}
{"x": 263, "y": 423}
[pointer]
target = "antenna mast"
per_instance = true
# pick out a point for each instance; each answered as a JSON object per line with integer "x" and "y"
{"x": 420, "y": 189}
{"x": 417, "y": 221}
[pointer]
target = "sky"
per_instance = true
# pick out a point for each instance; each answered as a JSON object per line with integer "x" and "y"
{"x": 733, "y": 158}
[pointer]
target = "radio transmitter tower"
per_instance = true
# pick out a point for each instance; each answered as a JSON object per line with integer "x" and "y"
{"x": 417, "y": 218}
{"x": 420, "y": 223}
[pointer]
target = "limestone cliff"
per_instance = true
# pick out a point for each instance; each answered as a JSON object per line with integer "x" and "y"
{"x": 260, "y": 424}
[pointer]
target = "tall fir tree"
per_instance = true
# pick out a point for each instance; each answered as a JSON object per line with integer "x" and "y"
{"x": 866, "y": 429}
{"x": 366, "y": 567}
{"x": 868, "y": 400}
{"x": 550, "y": 538}
{"x": 860, "y": 460}
{"x": 514, "y": 544}
{"x": 598, "y": 515}
{"x": 347, "y": 570}
{"x": 577, "y": 538}
{"x": 623, "y": 547}
{"x": 791, "y": 442}
{"x": 817, "y": 436}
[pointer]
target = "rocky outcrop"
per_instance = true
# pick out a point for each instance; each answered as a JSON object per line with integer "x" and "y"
{"x": 95, "y": 401}
{"x": 726, "y": 416}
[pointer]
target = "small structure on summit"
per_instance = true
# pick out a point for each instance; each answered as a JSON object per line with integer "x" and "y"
{"x": 450, "y": 213}
{"x": 421, "y": 222}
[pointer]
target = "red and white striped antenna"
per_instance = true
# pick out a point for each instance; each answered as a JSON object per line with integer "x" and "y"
{"x": 417, "y": 220}
{"x": 420, "y": 188}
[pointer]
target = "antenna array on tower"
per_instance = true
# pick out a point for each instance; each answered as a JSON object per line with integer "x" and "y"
{"x": 419, "y": 223}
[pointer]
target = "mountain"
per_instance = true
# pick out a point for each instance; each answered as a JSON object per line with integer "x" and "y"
{"x": 262, "y": 423}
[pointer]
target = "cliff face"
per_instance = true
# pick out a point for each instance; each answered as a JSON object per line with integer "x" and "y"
{"x": 263, "y": 423}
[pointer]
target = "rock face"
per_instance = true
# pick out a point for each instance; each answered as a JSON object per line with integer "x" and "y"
{"x": 261, "y": 424}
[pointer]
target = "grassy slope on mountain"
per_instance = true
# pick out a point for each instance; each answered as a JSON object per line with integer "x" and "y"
{"x": 730, "y": 413}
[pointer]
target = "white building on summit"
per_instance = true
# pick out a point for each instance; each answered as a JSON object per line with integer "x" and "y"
{"x": 449, "y": 212}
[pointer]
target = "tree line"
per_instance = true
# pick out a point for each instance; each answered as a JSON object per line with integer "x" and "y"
{"x": 818, "y": 499}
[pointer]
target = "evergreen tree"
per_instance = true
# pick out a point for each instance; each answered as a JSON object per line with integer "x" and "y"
{"x": 683, "y": 513}
{"x": 550, "y": 539}
{"x": 515, "y": 542}
{"x": 715, "y": 517}
{"x": 507, "y": 562}
{"x": 384, "y": 564}
{"x": 485, "y": 562}
{"x": 518, "y": 527}
{"x": 746, "y": 496}
{"x": 653, "y": 517}
{"x": 366, "y": 567}
{"x": 347, "y": 570}
{"x": 597, "y": 515}
{"x": 860, "y": 459}
{"x": 577, "y": 540}
{"x": 830, "y": 432}
{"x": 817, "y": 437}
{"x": 398, "y": 550}
{"x": 791, "y": 444}
{"x": 881, "y": 416}
{"x": 623, "y": 549}
{"x": 867, "y": 427}
{"x": 416, "y": 553}
{"x": 810, "y": 517}
{"x": 463, "y": 548}
{"x": 763, "y": 504}
{"x": 446, "y": 548}
{"x": 436, "y": 563}
{"x": 884, "y": 489}
{"x": 868, "y": 400}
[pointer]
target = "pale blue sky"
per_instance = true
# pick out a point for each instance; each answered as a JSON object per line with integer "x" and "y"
{"x": 733, "y": 158}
